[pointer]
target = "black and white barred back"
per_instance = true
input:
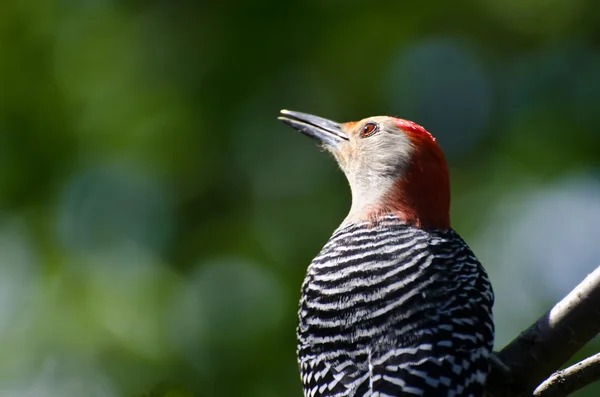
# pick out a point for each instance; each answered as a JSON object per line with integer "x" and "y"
{"x": 392, "y": 310}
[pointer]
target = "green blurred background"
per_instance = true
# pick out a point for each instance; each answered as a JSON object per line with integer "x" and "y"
{"x": 156, "y": 220}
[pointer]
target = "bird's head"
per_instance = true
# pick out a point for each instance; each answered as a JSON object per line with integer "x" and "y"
{"x": 394, "y": 166}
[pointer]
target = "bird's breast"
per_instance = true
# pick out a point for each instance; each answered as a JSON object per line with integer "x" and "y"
{"x": 366, "y": 281}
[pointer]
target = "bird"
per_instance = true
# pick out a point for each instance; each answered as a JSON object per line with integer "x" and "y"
{"x": 396, "y": 303}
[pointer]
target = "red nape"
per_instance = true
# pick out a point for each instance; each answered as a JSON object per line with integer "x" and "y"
{"x": 421, "y": 196}
{"x": 411, "y": 126}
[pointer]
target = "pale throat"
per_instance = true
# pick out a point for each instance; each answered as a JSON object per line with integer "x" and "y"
{"x": 368, "y": 193}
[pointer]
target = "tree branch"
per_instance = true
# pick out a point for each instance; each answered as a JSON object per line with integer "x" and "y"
{"x": 547, "y": 344}
{"x": 570, "y": 379}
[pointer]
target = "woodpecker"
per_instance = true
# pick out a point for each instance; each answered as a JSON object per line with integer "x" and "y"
{"x": 395, "y": 304}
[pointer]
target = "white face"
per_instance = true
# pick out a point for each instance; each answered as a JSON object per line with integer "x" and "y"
{"x": 375, "y": 155}
{"x": 393, "y": 166}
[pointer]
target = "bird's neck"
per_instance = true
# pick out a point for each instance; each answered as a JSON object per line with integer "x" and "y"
{"x": 366, "y": 193}
{"x": 420, "y": 196}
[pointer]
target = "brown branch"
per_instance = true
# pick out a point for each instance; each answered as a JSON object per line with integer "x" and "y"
{"x": 570, "y": 379}
{"x": 546, "y": 345}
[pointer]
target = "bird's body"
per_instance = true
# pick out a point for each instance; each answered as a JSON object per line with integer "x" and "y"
{"x": 393, "y": 309}
{"x": 395, "y": 304}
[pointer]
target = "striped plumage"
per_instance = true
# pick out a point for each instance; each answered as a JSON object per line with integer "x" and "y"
{"x": 389, "y": 309}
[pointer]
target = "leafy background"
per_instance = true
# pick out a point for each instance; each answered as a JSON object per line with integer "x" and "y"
{"x": 156, "y": 220}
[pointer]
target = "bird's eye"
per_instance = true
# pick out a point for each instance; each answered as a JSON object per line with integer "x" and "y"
{"x": 368, "y": 130}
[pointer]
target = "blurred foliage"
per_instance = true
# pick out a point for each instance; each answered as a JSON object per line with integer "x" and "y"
{"x": 156, "y": 220}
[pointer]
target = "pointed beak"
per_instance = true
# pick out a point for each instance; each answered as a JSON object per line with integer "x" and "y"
{"x": 325, "y": 131}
